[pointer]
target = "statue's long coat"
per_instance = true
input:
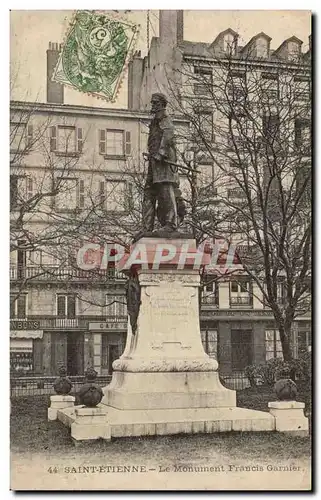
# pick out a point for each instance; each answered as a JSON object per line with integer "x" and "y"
{"x": 161, "y": 140}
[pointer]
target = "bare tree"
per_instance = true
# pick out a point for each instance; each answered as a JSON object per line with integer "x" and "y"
{"x": 253, "y": 126}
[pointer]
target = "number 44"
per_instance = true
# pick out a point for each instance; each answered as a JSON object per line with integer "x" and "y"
{"x": 53, "y": 470}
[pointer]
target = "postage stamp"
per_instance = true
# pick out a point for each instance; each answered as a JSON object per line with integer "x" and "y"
{"x": 95, "y": 54}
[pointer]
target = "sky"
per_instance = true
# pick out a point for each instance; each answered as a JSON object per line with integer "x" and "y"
{"x": 32, "y": 30}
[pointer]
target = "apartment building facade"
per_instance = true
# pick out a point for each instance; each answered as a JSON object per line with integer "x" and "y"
{"x": 196, "y": 76}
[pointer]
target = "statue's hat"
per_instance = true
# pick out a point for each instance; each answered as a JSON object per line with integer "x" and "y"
{"x": 160, "y": 96}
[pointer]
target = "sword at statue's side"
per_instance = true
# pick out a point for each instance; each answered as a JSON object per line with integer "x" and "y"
{"x": 177, "y": 165}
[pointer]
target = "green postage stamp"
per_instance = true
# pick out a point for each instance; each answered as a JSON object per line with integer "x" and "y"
{"x": 95, "y": 54}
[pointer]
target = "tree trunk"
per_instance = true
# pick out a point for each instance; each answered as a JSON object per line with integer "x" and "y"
{"x": 285, "y": 337}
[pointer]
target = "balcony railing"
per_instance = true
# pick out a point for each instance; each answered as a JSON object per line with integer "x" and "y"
{"x": 241, "y": 301}
{"x": 80, "y": 322}
{"x": 52, "y": 273}
{"x": 236, "y": 193}
{"x": 67, "y": 323}
{"x": 209, "y": 299}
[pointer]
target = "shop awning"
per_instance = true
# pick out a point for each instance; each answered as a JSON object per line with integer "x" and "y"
{"x": 26, "y": 334}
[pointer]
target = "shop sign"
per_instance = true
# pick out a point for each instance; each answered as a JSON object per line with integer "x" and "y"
{"x": 24, "y": 325}
{"x": 107, "y": 326}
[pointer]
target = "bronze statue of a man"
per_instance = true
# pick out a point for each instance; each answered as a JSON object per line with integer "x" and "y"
{"x": 162, "y": 181}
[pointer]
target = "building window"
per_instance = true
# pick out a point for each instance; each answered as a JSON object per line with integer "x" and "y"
{"x": 18, "y": 306}
{"x": 303, "y": 185}
{"x": 240, "y": 293}
{"x": 21, "y": 137}
{"x": 210, "y": 291}
{"x": 67, "y": 197}
{"x": 304, "y": 341}
{"x": 302, "y": 90}
{"x": 281, "y": 294}
{"x": 21, "y": 356}
{"x": 229, "y": 44}
{"x": 66, "y": 139}
{"x": 113, "y": 195}
{"x": 294, "y": 51}
{"x": 271, "y": 131}
{"x": 66, "y": 306}
{"x": 116, "y": 305}
{"x": 303, "y": 136}
{"x": 270, "y": 86}
{"x": 261, "y": 48}
{"x": 21, "y": 191}
{"x": 116, "y": 194}
{"x": 204, "y": 85}
{"x": 114, "y": 143}
{"x": 209, "y": 341}
{"x": 273, "y": 346}
{"x": 206, "y": 124}
{"x": 236, "y": 86}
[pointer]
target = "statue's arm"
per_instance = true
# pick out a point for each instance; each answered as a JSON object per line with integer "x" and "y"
{"x": 167, "y": 137}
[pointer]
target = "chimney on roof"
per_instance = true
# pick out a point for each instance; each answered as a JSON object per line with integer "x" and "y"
{"x": 135, "y": 79}
{"x": 171, "y": 27}
{"x": 55, "y": 91}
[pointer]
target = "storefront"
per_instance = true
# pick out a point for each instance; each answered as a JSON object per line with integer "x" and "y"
{"x": 25, "y": 346}
{"x": 107, "y": 341}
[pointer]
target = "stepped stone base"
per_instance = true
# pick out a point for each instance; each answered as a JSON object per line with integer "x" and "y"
{"x": 172, "y": 390}
{"x": 129, "y": 423}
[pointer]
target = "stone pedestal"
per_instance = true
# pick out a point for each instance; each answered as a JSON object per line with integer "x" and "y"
{"x": 59, "y": 402}
{"x": 164, "y": 382}
{"x": 289, "y": 417}
{"x": 164, "y": 364}
{"x": 90, "y": 423}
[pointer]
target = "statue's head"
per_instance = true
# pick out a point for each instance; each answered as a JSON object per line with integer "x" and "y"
{"x": 158, "y": 102}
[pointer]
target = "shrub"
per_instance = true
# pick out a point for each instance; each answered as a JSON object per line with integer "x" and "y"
{"x": 269, "y": 372}
{"x": 302, "y": 367}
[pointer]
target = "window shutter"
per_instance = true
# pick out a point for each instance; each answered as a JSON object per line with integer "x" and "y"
{"x": 13, "y": 191}
{"x": 129, "y": 196}
{"x": 127, "y": 143}
{"x": 29, "y": 135}
{"x": 81, "y": 193}
{"x": 61, "y": 306}
{"x": 298, "y": 133}
{"x": 21, "y": 306}
{"x": 12, "y": 306}
{"x": 29, "y": 187}
{"x": 79, "y": 140}
{"x": 53, "y": 138}
{"x": 102, "y": 142}
{"x": 71, "y": 306}
{"x": 102, "y": 194}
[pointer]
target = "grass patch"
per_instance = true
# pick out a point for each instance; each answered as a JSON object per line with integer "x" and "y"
{"x": 32, "y": 433}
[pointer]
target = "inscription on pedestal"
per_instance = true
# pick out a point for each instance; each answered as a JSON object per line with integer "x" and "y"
{"x": 173, "y": 310}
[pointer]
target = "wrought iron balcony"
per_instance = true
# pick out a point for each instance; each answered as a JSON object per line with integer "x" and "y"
{"x": 53, "y": 322}
{"x": 236, "y": 193}
{"x": 240, "y": 300}
{"x": 54, "y": 273}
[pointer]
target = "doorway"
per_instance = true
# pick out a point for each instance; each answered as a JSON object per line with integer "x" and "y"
{"x": 75, "y": 353}
{"x": 241, "y": 349}
{"x": 113, "y": 354}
